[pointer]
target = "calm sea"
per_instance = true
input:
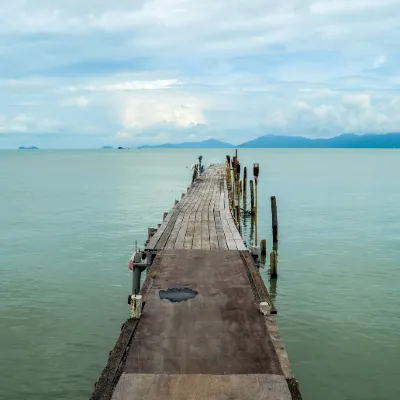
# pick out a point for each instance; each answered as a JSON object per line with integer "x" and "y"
{"x": 69, "y": 219}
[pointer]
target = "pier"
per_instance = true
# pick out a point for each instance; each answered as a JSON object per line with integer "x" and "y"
{"x": 206, "y": 327}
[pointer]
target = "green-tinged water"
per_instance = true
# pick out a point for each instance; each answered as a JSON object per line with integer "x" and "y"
{"x": 68, "y": 221}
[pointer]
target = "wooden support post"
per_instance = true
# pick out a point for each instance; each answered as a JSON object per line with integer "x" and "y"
{"x": 230, "y": 183}
{"x": 238, "y": 190}
{"x": 252, "y": 197}
{"x": 263, "y": 245}
{"x": 200, "y": 165}
{"x": 256, "y": 196}
{"x": 195, "y": 172}
{"x": 245, "y": 188}
{"x": 274, "y": 220}
{"x": 273, "y": 264}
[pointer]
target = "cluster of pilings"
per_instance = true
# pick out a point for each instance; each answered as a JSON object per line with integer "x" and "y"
{"x": 237, "y": 187}
{"x": 197, "y": 169}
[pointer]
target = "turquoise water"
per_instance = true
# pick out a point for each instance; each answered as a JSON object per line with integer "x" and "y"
{"x": 68, "y": 221}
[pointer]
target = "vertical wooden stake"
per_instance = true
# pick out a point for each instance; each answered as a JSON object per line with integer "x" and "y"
{"x": 274, "y": 220}
{"x": 252, "y": 197}
{"x": 229, "y": 183}
{"x": 256, "y": 215}
{"x": 263, "y": 245}
{"x": 273, "y": 264}
{"x": 244, "y": 188}
{"x": 238, "y": 196}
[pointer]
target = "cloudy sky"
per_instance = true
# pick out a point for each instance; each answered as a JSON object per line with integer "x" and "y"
{"x": 90, "y": 73}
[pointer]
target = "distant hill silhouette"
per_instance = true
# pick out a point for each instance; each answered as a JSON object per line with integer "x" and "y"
{"x": 345, "y": 141}
{"x": 350, "y": 140}
{"x": 107, "y": 147}
{"x": 28, "y": 148}
{"x": 204, "y": 144}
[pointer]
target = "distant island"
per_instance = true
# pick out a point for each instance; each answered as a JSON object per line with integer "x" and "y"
{"x": 345, "y": 141}
{"x": 107, "y": 147}
{"x": 28, "y": 148}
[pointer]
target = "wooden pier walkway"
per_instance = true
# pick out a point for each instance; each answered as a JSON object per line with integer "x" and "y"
{"x": 216, "y": 345}
{"x": 202, "y": 219}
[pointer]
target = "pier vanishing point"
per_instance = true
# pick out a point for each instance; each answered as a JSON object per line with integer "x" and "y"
{"x": 204, "y": 326}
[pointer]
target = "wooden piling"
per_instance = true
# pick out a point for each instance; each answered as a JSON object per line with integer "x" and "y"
{"x": 230, "y": 183}
{"x": 244, "y": 188}
{"x": 274, "y": 213}
{"x": 263, "y": 245}
{"x": 252, "y": 197}
{"x": 195, "y": 172}
{"x": 273, "y": 264}
{"x": 238, "y": 190}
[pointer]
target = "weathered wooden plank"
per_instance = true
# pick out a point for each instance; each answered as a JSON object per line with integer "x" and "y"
{"x": 173, "y": 219}
{"x": 205, "y": 235}
{"x": 189, "y": 235}
{"x": 197, "y": 235}
{"x": 220, "y": 233}
{"x": 201, "y": 233}
{"x": 163, "y": 231}
{"x": 211, "y": 216}
{"x": 174, "y": 233}
{"x": 201, "y": 387}
{"x": 167, "y": 231}
{"x": 240, "y": 245}
{"x": 180, "y": 240}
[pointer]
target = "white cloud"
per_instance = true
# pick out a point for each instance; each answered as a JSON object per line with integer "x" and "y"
{"x": 158, "y": 84}
{"x": 23, "y": 123}
{"x": 379, "y": 61}
{"x": 352, "y": 113}
{"x": 123, "y": 135}
{"x": 81, "y": 102}
{"x": 343, "y": 6}
{"x": 357, "y": 101}
{"x": 181, "y": 111}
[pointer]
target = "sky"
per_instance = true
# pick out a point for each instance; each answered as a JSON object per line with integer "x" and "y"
{"x": 85, "y": 74}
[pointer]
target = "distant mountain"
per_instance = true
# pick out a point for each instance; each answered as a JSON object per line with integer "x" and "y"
{"x": 345, "y": 141}
{"x": 349, "y": 140}
{"x": 28, "y": 148}
{"x": 205, "y": 144}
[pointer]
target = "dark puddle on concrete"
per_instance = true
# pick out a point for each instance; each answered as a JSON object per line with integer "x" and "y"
{"x": 177, "y": 294}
